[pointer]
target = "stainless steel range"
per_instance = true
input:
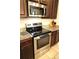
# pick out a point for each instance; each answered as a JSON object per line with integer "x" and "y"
{"x": 41, "y": 38}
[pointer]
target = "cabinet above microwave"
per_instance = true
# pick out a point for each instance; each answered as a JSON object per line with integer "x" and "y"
{"x": 40, "y": 1}
{"x": 48, "y": 11}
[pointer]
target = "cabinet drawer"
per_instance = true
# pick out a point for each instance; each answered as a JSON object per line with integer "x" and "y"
{"x": 26, "y": 43}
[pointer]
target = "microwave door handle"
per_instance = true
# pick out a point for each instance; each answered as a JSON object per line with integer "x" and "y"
{"x": 44, "y": 11}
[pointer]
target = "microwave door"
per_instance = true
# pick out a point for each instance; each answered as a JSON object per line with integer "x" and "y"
{"x": 36, "y": 11}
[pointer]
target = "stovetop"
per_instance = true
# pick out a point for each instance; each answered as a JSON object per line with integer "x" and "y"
{"x": 38, "y": 33}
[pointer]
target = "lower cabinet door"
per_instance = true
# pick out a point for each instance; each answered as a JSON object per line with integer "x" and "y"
{"x": 26, "y": 50}
{"x": 54, "y": 37}
{"x": 57, "y": 37}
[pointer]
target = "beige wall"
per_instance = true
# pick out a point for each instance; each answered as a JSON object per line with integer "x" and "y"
{"x": 31, "y": 20}
{"x": 44, "y": 21}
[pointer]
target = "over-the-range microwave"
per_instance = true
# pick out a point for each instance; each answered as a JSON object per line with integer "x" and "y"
{"x": 36, "y": 9}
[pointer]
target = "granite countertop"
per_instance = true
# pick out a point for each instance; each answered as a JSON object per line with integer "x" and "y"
{"x": 51, "y": 28}
{"x": 24, "y": 34}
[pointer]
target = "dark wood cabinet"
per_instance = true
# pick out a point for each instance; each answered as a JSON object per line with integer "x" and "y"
{"x": 51, "y": 11}
{"x": 23, "y": 8}
{"x": 26, "y": 49}
{"x": 40, "y": 1}
{"x": 43, "y": 1}
{"x": 52, "y": 8}
{"x": 54, "y": 37}
{"x": 57, "y": 36}
{"x": 34, "y": 0}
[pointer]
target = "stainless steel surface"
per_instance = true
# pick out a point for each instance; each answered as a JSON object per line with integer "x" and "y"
{"x": 39, "y": 52}
{"x": 30, "y": 3}
{"x": 33, "y": 24}
{"x": 41, "y": 37}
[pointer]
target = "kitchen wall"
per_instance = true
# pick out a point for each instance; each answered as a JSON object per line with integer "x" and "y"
{"x": 33, "y": 20}
{"x": 30, "y": 20}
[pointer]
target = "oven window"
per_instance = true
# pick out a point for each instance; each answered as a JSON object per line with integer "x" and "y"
{"x": 36, "y": 10}
{"x": 44, "y": 40}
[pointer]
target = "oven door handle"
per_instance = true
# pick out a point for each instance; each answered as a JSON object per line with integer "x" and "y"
{"x": 37, "y": 38}
{"x": 44, "y": 36}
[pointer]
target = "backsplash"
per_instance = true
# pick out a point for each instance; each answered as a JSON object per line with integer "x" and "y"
{"x": 24, "y": 21}
{"x": 33, "y": 20}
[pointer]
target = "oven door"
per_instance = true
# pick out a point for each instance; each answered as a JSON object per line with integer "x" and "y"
{"x": 41, "y": 43}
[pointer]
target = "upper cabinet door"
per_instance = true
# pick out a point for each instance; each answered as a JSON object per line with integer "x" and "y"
{"x": 43, "y": 1}
{"x": 34, "y": 0}
{"x": 40, "y": 1}
{"x": 52, "y": 8}
{"x": 23, "y": 8}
